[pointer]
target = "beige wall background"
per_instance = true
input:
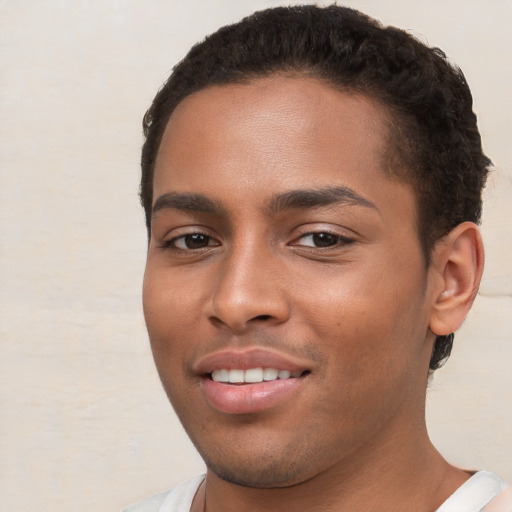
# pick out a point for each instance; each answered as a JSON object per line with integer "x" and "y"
{"x": 84, "y": 424}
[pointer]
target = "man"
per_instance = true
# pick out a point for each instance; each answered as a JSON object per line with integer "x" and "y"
{"x": 312, "y": 187}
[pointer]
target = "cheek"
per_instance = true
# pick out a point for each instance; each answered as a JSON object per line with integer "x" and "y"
{"x": 372, "y": 343}
{"x": 371, "y": 323}
{"x": 170, "y": 309}
{"x": 170, "y": 313}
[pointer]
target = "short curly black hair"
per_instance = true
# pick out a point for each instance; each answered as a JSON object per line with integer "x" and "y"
{"x": 433, "y": 140}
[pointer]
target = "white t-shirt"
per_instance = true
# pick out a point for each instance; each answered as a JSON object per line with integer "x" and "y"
{"x": 483, "y": 492}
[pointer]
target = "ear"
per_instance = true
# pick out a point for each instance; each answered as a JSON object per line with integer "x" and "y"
{"x": 458, "y": 259}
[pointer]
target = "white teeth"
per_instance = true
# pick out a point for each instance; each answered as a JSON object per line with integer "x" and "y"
{"x": 270, "y": 374}
{"x": 250, "y": 376}
{"x": 254, "y": 375}
{"x": 220, "y": 375}
{"x": 284, "y": 374}
{"x": 236, "y": 376}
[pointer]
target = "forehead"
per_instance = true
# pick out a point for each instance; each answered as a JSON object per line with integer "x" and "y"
{"x": 277, "y": 132}
{"x": 308, "y": 109}
{"x": 283, "y": 98}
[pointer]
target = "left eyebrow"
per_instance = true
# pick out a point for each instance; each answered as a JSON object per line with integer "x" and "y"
{"x": 316, "y": 198}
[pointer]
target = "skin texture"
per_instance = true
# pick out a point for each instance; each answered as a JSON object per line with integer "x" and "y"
{"x": 359, "y": 313}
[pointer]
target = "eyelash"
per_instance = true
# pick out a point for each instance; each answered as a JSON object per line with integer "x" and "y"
{"x": 337, "y": 239}
{"x": 171, "y": 244}
{"x": 340, "y": 240}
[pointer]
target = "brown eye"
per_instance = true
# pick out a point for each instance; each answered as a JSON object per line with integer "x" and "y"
{"x": 192, "y": 241}
{"x": 322, "y": 239}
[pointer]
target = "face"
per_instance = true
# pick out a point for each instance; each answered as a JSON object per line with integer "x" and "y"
{"x": 285, "y": 294}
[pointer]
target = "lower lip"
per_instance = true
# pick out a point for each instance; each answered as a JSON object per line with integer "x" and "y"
{"x": 250, "y": 398}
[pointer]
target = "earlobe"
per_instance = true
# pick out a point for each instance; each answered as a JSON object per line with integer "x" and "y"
{"x": 459, "y": 260}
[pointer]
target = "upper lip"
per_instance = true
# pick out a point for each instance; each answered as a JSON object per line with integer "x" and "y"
{"x": 249, "y": 358}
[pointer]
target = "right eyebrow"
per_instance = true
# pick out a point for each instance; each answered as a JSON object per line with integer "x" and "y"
{"x": 185, "y": 202}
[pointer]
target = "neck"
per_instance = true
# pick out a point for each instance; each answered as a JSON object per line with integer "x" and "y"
{"x": 400, "y": 474}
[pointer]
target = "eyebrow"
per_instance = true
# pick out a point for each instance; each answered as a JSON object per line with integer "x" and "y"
{"x": 316, "y": 198}
{"x": 294, "y": 199}
{"x": 185, "y": 201}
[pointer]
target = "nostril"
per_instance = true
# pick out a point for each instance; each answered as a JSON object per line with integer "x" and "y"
{"x": 262, "y": 317}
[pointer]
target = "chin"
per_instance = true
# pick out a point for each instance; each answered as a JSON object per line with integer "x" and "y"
{"x": 258, "y": 476}
{"x": 264, "y": 465}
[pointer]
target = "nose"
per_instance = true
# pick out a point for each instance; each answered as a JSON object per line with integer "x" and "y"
{"x": 249, "y": 290}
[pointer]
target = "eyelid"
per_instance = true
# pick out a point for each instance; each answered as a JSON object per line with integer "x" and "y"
{"x": 343, "y": 238}
{"x": 313, "y": 228}
{"x": 172, "y": 243}
{"x": 169, "y": 240}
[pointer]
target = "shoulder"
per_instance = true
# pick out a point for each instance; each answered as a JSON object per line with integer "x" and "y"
{"x": 502, "y": 502}
{"x": 177, "y": 499}
{"x": 151, "y": 504}
{"x": 484, "y": 491}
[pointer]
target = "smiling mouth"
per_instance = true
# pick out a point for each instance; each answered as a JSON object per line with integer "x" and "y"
{"x": 239, "y": 387}
{"x": 253, "y": 375}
